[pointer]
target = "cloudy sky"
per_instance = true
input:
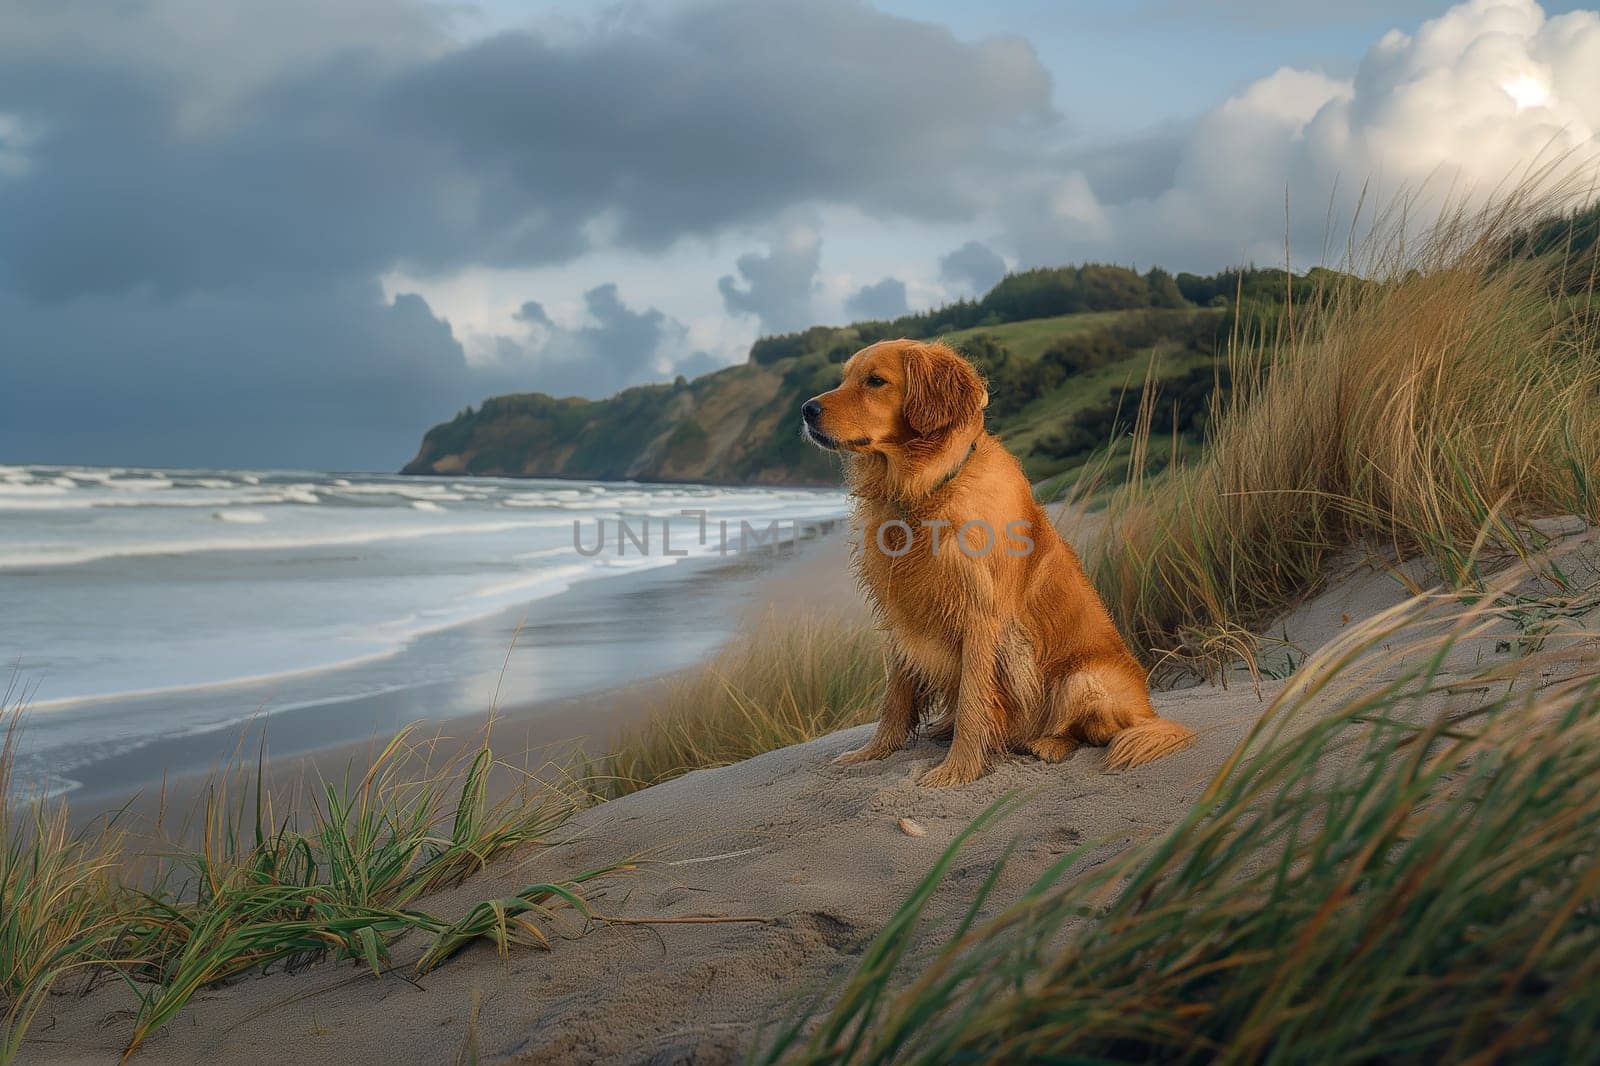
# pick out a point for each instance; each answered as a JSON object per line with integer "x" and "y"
{"x": 297, "y": 233}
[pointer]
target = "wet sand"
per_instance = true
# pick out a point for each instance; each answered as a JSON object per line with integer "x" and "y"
{"x": 331, "y": 742}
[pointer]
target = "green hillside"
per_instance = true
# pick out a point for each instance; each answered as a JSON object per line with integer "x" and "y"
{"x": 1066, "y": 351}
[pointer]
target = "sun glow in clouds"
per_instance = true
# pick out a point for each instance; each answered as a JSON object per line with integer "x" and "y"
{"x": 1526, "y": 91}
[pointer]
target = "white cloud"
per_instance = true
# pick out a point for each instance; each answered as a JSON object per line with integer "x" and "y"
{"x": 1464, "y": 106}
{"x": 778, "y": 287}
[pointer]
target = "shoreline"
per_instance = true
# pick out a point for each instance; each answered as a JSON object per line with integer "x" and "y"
{"x": 323, "y": 741}
{"x": 714, "y": 483}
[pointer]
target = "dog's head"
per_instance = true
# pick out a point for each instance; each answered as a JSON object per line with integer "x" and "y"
{"x": 894, "y": 394}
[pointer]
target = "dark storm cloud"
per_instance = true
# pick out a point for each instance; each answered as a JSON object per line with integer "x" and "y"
{"x": 118, "y": 193}
{"x": 285, "y": 373}
{"x": 194, "y": 210}
{"x": 697, "y": 363}
{"x": 1133, "y": 168}
{"x": 616, "y": 346}
{"x": 883, "y": 299}
{"x": 974, "y": 266}
{"x": 504, "y": 152}
{"x": 722, "y": 113}
{"x": 777, "y": 287}
{"x": 533, "y": 311}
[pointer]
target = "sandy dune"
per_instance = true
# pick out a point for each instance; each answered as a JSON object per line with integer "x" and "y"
{"x": 812, "y": 849}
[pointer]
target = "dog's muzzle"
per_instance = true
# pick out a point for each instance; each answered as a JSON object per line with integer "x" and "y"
{"x": 810, "y": 415}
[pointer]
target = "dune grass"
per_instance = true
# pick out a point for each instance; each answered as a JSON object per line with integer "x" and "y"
{"x": 794, "y": 679}
{"x": 336, "y": 872}
{"x": 1453, "y": 388}
{"x": 1398, "y": 864}
{"x": 1445, "y": 390}
{"x": 1410, "y": 875}
{"x": 59, "y": 897}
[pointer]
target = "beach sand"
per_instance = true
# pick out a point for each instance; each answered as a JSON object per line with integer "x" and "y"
{"x": 814, "y": 851}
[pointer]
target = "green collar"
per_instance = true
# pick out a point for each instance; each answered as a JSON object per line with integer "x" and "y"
{"x": 954, "y": 470}
{"x": 950, "y": 475}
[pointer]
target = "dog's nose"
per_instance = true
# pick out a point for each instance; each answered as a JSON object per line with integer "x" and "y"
{"x": 811, "y": 411}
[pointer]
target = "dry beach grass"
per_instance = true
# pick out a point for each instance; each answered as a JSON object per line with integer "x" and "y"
{"x": 1429, "y": 407}
{"x": 796, "y": 678}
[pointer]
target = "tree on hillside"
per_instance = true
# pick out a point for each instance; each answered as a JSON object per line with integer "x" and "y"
{"x": 1164, "y": 291}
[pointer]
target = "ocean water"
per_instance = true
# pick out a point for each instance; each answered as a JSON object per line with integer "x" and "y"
{"x": 143, "y": 604}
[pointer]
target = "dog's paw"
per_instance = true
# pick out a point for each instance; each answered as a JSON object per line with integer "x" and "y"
{"x": 870, "y": 753}
{"x": 1052, "y": 749}
{"x": 947, "y": 776}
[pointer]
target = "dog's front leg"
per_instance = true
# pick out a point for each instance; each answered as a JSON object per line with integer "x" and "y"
{"x": 896, "y": 721}
{"x": 976, "y": 707}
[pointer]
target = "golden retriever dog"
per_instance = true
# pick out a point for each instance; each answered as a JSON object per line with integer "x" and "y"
{"x": 989, "y": 616}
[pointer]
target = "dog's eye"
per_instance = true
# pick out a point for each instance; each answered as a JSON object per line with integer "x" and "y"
{"x": 874, "y": 381}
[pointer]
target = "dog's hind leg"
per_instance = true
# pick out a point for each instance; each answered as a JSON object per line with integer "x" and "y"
{"x": 1108, "y": 704}
{"x": 1072, "y": 706}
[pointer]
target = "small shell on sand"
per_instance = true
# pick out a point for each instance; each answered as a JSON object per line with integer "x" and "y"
{"x": 912, "y": 829}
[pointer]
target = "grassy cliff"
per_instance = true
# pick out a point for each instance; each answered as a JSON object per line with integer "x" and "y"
{"x": 733, "y": 425}
{"x": 1067, "y": 351}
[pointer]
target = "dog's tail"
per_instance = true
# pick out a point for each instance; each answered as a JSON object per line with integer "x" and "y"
{"x": 1146, "y": 742}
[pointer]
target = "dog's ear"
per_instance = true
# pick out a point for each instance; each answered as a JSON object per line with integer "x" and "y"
{"x": 942, "y": 390}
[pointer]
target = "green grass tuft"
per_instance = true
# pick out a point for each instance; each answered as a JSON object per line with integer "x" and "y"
{"x": 260, "y": 887}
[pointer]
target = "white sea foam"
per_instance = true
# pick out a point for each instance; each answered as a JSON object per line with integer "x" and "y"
{"x": 28, "y": 489}
{"x": 31, "y": 555}
{"x": 45, "y": 497}
{"x": 137, "y": 483}
{"x": 93, "y": 477}
{"x": 544, "y": 553}
{"x": 240, "y": 517}
{"x": 404, "y": 492}
{"x": 550, "y": 575}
